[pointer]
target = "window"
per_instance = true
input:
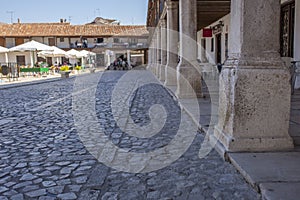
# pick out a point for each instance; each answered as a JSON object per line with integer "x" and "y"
{"x": 116, "y": 40}
{"x": 51, "y": 41}
{"x": 212, "y": 45}
{"x": 100, "y": 40}
{"x": 61, "y": 39}
{"x": 133, "y": 40}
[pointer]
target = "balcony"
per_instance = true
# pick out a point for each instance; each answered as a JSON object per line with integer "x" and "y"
{"x": 105, "y": 45}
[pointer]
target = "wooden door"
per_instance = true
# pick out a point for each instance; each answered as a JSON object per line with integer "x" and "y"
{"x": 51, "y": 41}
{"x": 2, "y": 42}
{"x": 19, "y": 41}
{"x": 20, "y": 60}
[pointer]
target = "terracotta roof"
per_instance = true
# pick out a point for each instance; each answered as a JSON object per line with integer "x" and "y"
{"x": 65, "y": 29}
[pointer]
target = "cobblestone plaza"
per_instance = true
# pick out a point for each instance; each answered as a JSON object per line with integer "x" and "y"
{"x": 43, "y": 157}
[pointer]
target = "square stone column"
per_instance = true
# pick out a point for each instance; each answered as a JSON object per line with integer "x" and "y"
{"x": 163, "y": 62}
{"x": 172, "y": 42}
{"x": 158, "y": 51}
{"x": 297, "y": 31}
{"x": 154, "y": 55}
{"x": 187, "y": 69}
{"x": 254, "y": 105}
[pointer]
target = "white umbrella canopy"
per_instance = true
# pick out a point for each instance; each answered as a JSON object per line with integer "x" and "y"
{"x": 31, "y": 46}
{"x": 73, "y": 54}
{"x": 56, "y": 52}
{"x": 86, "y": 53}
{"x": 3, "y": 49}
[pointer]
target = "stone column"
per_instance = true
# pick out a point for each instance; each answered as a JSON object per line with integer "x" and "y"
{"x": 163, "y": 62}
{"x": 186, "y": 68}
{"x": 158, "y": 51}
{"x": 128, "y": 59}
{"x": 172, "y": 42}
{"x": 297, "y": 31}
{"x": 254, "y": 107}
{"x": 154, "y": 55}
{"x": 149, "y": 58}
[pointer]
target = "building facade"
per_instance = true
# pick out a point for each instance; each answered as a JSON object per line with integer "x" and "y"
{"x": 96, "y": 37}
{"x": 255, "y": 92}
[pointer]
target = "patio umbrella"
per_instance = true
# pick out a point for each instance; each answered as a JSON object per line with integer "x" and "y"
{"x": 4, "y": 50}
{"x": 56, "y": 53}
{"x": 73, "y": 55}
{"x": 86, "y": 54}
{"x": 33, "y": 47}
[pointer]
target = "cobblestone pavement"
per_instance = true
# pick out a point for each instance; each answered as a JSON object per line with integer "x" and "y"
{"x": 42, "y": 156}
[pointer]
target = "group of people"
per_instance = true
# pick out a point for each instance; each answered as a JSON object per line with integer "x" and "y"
{"x": 119, "y": 64}
{"x": 84, "y": 44}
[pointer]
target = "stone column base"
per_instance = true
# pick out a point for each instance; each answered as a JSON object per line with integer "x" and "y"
{"x": 188, "y": 82}
{"x": 162, "y": 76}
{"x": 171, "y": 78}
{"x": 157, "y": 70}
{"x": 260, "y": 144}
{"x": 254, "y": 109}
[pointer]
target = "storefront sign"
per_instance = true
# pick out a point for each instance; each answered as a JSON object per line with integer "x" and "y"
{"x": 207, "y": 32}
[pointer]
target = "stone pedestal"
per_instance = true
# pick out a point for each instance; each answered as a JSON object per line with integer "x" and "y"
{"x": 172, "y": 43}
{"x": 188, "y": 50}
{"x": 254, "y": 105}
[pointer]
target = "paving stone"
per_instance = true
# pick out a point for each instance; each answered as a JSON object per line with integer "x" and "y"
{"x": 65, "y": 170}
{"x": 81, "y": 179}
{"x": 47, "y": 198}
{"x": 64, "y": 163}
{"x": 22, "y": 184}
{"x": 48, "y": 183}
{"x": 153, "y": 195}
{"x": 66, "y": 196}
{"x": 9, "y": 184}
{"x": 74, "y": 188}
{"x": 17, "y": 197}
{"x": 56, "y": 189}
{"x": 21, "y": 165}
{"x": 30, "y": 188}
{"x": 36, "y": 193}
{"x": 110, "y": 196}
{"x": 10, "y": 193}
{"x": 28, "y": 177}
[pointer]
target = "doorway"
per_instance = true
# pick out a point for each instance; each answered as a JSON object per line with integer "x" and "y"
{"x": 20, "y": 60}
{"x": 218, "y": 48}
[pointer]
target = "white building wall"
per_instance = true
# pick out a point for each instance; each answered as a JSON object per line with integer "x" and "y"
{"x": 211, "y": 55}
{"x": 64, "y": 44}
{"x": 38, "y": 39}
{"x": 12, "y": 57}
{"x": 2, "y": 57}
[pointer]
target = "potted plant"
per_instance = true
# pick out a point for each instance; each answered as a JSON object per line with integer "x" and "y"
{"x": 65, "y": 71}
{"x": 77, "y": 68}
